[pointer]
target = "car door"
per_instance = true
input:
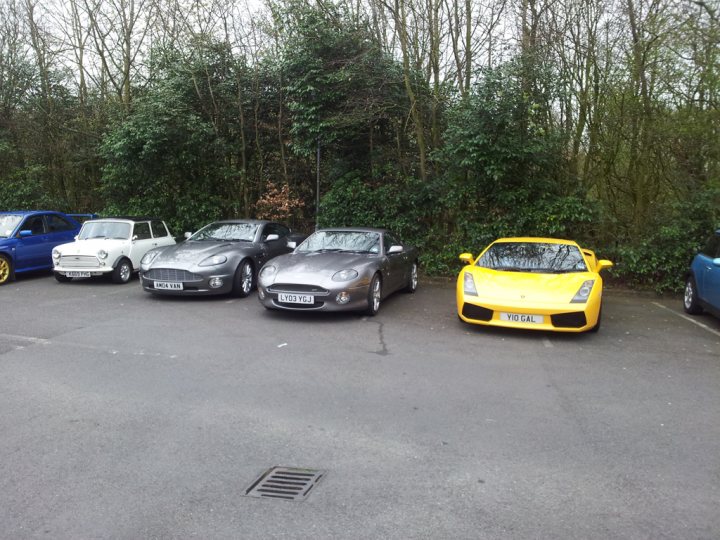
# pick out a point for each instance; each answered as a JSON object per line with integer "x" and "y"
{"x": 142, "y": 242}
{"x": 711, "y": 279}
{"x": 59, "y": 230}
{"x": 160, "y": 233}
{"x": 703, "y": 268}
{"x": 395, "y": 277}
{"x": 32, "y": 250}
{"x": 273, "y": 248}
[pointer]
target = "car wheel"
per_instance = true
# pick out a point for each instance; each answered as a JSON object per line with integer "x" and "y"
{"x": 244, "y": 279}
{"x": 374, "y": 295}
{"x": 595, "y": 328}
{"x": 61, "y": 278}
{"x": 122, "y": 272}
{"x": 412, "y": 283}
{"x": 690, "y": 298}
{"x": 6, "y": 270}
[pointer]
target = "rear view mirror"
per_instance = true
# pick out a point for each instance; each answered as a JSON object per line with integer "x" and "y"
{"x": 187, "y": 235}
{"x": 716, "y": 262}
{"x": 603, "y": 264}
{"x": 395, "y": 249}
{"x": 271, "y": 237}
{"x": 291, "y": 244}
{"x": 24, "y": 234}
{"x": 467, "y": 258}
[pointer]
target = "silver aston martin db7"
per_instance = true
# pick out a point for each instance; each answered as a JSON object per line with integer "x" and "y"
{"x": 222, "y": 257}
{"x": 339, "y": 269}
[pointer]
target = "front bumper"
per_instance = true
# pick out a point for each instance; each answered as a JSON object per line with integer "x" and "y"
{"x": 188, "y": 283}
{"x": 556, "y": 318}
{"x": 76, "y": 271}
{"x": 325, "y": 299}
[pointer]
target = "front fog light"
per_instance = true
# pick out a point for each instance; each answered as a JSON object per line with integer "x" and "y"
{"x": 343, "y": 298}
{"x": 215, "y": 283}
{"x": 261, "y": 293}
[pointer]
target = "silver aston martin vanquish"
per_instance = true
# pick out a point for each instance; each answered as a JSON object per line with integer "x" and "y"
{"x": 339, "y": 269}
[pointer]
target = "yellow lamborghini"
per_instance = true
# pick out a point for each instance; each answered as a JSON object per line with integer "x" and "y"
{"x": 532, "y": 283}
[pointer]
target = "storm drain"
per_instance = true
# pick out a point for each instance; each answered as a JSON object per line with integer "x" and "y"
{"x": 285, "y": 483}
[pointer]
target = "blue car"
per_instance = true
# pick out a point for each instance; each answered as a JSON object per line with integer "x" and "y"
{"x": 702, "y": 283}
{"x": 27, "y": 239}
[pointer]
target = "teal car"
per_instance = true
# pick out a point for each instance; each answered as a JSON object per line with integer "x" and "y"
{"x": 702, "y": 281}
{"x": 27, "y": 239}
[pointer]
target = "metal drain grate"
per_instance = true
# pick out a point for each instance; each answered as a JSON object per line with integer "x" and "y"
{"x": 285, "y": 483}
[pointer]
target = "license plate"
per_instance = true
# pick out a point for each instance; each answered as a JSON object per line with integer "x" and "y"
{"x": 296, "y": 298}
{"x": 77, "y": 274}
{"x": 169, "y": 285}
{"x": 522, "y": 318}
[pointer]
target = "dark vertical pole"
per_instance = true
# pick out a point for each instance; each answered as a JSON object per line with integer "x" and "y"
{"x": 317, "y": 187}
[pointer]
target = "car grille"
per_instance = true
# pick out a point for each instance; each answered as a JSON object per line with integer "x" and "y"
{"x": 294, "y": 288}
{"x": 569, "y": 320}
{"x": 79, "y": 261}
{"x": 478, "y": 313}
{"x": 171, "y": 274}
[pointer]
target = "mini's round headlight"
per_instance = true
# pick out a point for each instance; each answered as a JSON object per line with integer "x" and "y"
{"x": 214, "y": 260}
{"x": 55, "y": 254}
{"x": 102, "y": 254}
{"x": 345, "y": 275}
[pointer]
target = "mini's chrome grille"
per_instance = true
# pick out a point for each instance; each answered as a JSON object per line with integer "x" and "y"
{"x": 171, "y": 274}
{"x": 295, "y": 288}
{"x": 79, "y": 261}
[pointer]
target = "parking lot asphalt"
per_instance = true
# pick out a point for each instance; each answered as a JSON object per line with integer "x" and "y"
{"x": 124, "y": 415}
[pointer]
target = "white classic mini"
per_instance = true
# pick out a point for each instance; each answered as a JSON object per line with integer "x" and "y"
{"x": 109, "y": 246}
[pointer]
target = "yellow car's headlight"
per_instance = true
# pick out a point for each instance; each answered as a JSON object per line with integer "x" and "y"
{"x": 583, "y": 292}
{"x": 469, "y": 284}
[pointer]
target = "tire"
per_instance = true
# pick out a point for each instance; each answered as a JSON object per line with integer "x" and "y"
{"x": 244, "y": 279}
{"x": 595, "y": 328}
{"x": 122, "y": 272}
{"x": 412, "y": 283}
{"x": 6, "y": 270}
{"x": 691, "y": 304}
{"x": 374, "y": 296}
{"x": 61, "y": 278}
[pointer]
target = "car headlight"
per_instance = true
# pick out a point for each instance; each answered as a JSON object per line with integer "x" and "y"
{"x": 102, "y": 254}
{"x": 345, "y": 275}
{"x": 214, "y": 260}
{"x": 469, "y": 284}
{"x": 583, "y": 292}
{"x": 55, "y": 254}
{"x": 149, "y": 257}
{"x": 268, "y": 272}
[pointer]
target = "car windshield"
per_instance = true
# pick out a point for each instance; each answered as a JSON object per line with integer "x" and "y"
{"x": 223, "y": 232}
{"x": 355, "y": 241}
{"x": 104, "y": 229}
{"x": 539, "y": 257}
{"x": 8, "y": 222}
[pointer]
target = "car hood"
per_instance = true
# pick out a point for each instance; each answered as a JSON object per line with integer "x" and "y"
{"x": 317, "y": 267}
{"x": 190, "y": 252}
{"x": 91, "y": 247}
{"x": 494, "y": 285}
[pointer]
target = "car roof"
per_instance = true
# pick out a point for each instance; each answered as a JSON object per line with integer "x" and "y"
{"x": 30, "y": 212}
{"x": 353, "y": 229}
{"x": 537, "y": 239}
{"x": 125, "y": 218}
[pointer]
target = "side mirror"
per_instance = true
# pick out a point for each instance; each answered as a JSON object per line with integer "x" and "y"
{"x": 467, "y": 258}
{"x": 271, "y": 237}
{"x": 187, "y": 235}
{"x": 603, "y": 264}
{"x": 395, "y": 249}
{"x": 76, "y": 236}
{"x": 291, "y": 244}
{"x": 24, "y": 234}
{"x": 135, "y": 237}
{"x": 716, "y": 262}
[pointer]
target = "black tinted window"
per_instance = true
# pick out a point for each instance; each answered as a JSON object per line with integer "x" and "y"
{"x": 712, "y": 248}
{"x": 391, "y": 240}
{"x": 34, "y": 224}
{"x": 159, "y": 229}
{"x": 142, "y": 231}
{"x": 58, "y": 224}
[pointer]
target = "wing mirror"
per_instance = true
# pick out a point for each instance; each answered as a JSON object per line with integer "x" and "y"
{"x": 716, "y": 262}
{"x": 467, "y": 258}
{"x": 603, "y": 264}
{"x": 292, "y": 244}
{"x": 271, "y": 237}
{"x": 135, "y": 237}
{"x": 187, "y": 235}
{"x": 395, "y": 249}
{"x": 24, "y": 234}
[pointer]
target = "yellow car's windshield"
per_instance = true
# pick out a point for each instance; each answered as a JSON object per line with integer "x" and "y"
{"x": 539, "y": 257}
